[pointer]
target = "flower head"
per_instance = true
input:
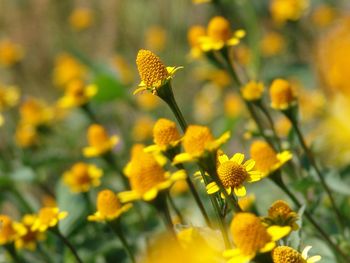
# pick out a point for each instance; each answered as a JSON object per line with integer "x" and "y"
{"x": 194, "y": 35}
{"x": 266, "y": 159}
{"x": 26, "y": 135}
{"x": 81, "y": 18}
{"x": 252, "y": 91}
{"x": 281, "y": 94}
{"x": 8, "y": 232}
{"x": 272, "y": 44}
{"x": 35, "y": 112}
{"x": 82, "y": 176}
{"x": 48, "y": 217}
{"x": 284, "y": 10}
{"x": 9, "y": 96}
{"x": 10, "y": 53}
{"x": 284, "y": 254}
{"x": 281, "y": 214}
{"x": 108, "y": 207}
{"x": 29, "y": 238}
{"x": 99, "y": 141}
{"x": 233, "y": 173}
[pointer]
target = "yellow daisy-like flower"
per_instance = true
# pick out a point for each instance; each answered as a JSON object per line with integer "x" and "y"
{"x": 48, "y": 217}
{"x": 219, "y": 35}
{"x": 281, "y": 214}
{"x": 266, "y": 159}
{"x": 152, "y": 71}
{"x": 250, "y": 237}
{"x": 284, "y": 254}
{"x": 28, "y": 239}
{"x": 233, "y": 173}
{"x": 82, "y": 177}
{"x": 99, "y": 141}
{"x": 35, "y": 112}
{"x": 77, "y": 94}
{"x": 9, "y": 230}
{"x": 81, "y": 18}
{"x": 9, "y": 96}
{"x": 197, "y": 141}
{"x": 281, "y": 94}
{"x": 10, "y": 53}
{"x": 108, "y": 207}
{"x": 147, "y": 176}
{"x": 252, "y": 91}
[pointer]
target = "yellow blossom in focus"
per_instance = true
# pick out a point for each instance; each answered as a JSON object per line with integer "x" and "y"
{"x": 266, "y": 159}
{"x": 28, "y": 239}
{"x": 35, "y": 112}
{"x": 250, "y": 237}
{"x": 252, "y": 91}
{"x": 10, "y": 53}
{"x": 194, "y": 35}
{"x": 147, "y": 101}
{"x": 285, "y": 10}
{"x": 123, "y": 69}
{"x": 233, "y": 105}
{"x": 155, "y": 38}
{"x": 108, "y": 207}
{"x": 281, "y": 94}
{"x": 26, "y": 135}
{"x": 82, "y": 177}
{"x": 48, "y": 217}
{"x": 81, "y": 18}
{"x": 285, "y": 254}
{"x": 272, "y": 44}
{"x": 143, "y": 129}
{"x": 246, "y": 202}
{"x": 323, "y": 16}
{"x": 99, "y": 141}
{"x": 281, "y": 214}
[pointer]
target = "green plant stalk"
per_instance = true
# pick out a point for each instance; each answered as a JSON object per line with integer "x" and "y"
{"x": 163, "y": 210}
{"x": 66, "y": 242}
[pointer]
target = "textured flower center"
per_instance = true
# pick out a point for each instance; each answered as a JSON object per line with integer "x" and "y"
{"x": 196, "y": 139}
{"x": 46, "y": 215}
{"x": 219, "y": 29}
{"x": 263, "y": 155}
{"x": 279, "y": 209}
{"x": 165, "y": 132}
{"x": 81, "y": 173}
{"x": 97, "y": 135}
{"x": 248, "y": 233}
{"x": 232, "y": 174}
{"x": 281, "y": 93}
{"x": 151, "y": 69}
{"x": 284, "y": 254}
{"x": 107, "y": 203}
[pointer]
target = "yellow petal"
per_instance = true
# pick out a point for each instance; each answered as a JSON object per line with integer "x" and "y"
{"x": 150, "y": 195}
{"x": 238, "y": 158}
{"x": 223, "y": 158}
{"x": 268, "y": 247}
{"x": 249, "y": 164}
{"x": 212, "y": 188}
{"x": 240, "y": 191}
{"x": 278, "y": 232}
{"x": 314, "y": 259}
{"x": 305, "y": 252}
{"x": 128, "y": 196}
{"x": 182, "y": 158}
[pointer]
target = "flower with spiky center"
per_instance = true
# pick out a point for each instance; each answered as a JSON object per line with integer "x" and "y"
{"x": 10, "y": 53}
{"x": 147, "y": 176}
{"x": 285, "y": 254}
{"x": 77, "y": 94}
{"x": 266, "y": 159}
{"x": 233, "y": 173}
{"x": 252, "y": 91}
{"x": 9, "y": 230}
{"x": 197, "y": 141}
{"x": 250, "y": 237}
{"x": 82, "y": 177}
{"x": 109, "y": 207}
{"x": 281, "y": 94}
{"x": 28, "y": 239}
{"x": 219, "y": 35}
{"x": 99, "y": 141}
{"x": 281, "y": 214}
{"x": 48, "y": 217}
{"x": 152, "y": 71}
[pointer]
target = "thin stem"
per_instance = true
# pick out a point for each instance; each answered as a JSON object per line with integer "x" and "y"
{"x": 162, "y": 208}
{"x": 68, "y": 244}
{"x": 117, "y": 229}
{"x": 174, "y": 207}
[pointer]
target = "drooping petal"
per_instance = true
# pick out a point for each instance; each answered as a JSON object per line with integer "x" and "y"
{"x": 240, "y": 191}
{"x": 223, "y": 158}
{"x": 238, "y": 158}
{"x": 212, "y": 188}
{"x": 278, "y": 232}
{"x": 249, "y": 165}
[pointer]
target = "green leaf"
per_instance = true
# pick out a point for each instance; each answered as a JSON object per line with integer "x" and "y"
{"x": 109, "y": 87}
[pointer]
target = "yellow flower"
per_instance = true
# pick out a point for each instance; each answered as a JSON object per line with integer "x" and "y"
{"x": 284, "y": 254}
{"x": 194, "y": 35}
{"x": 252, "y": 91}
{"x": 77, "y": 94}
{"x": 155, "y": 38}
{"x": 152, "y": 71}
{"x": 197, "y": 141}
{"x": 35, "y": 112}
{"x": 99, "y": 141}
{"x": 246, "y": 202}
{"x": 10, "y": 53}
{"x": 109, "y": 207}
{"x": 250, "y": 237}
{"x": 147, "y": 177}
{"x": 284, "y": 10}
{"x": 28, "y": 239}
{"x": 9, "y": 96}
{"x": 323, "y": 15}
{"x": 26, "y": 135}
{"x": 233, "y": 173}
{"x": 281, "y": 214}
{"x": 233, "y": 105}
{"x": 82, "y": 176}
{"x": 281, "y": 94}
{"x": 8, "y": 232}
{"x": 81, "y": 18}
{"x": 142, "y": 129}
{"x": 272, "y": 44}
{"x": 219, "y": 35}
{"x": 266, "y": 159}
{"x": 48, "y": 217}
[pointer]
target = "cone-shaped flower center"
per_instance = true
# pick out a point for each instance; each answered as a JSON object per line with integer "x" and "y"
{"x": 107, "y": 203}
{"x": 232, "y": 174}
{"x": 219, "y": 29}
{"x": 165, "y": 132}
{"x": 97, "y": 135}
{"x": 284, "y": 254}
{"x": 196, "y": 139}
{"x": 264, "y": 156}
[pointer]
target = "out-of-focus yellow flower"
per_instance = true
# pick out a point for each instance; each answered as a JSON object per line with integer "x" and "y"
{"x": 323, "y": 15}
{"x": 233, "y": 173}
{"x": 311, "y": 103}
{"x": 82, "y": 177}
{"x": 26, "y": 135}
{"x": 200, "y": 1}
{"x": 219, "y": 35}
{"x": 272, "y": 44}
{"x": 9, "y": 230}
{"x": 155, "y": 38}
{"x": 253, "y": 90}
{"x": 99, "y": 141}
{"x": 147, "y": 101}
{"x": 246, "y": 202}
{"x": 194, "y": 35}
{"x": 243, "y": 54}
{"x": 10, "y": 53}
{"x": 233, "y": 105}
{"x": 281, "y": 214}
{"x": 250, "y": 237}
{"x": 285, "y": 254}
{"x": 281, "y": 94}
{"x": 35, "y": 112}
{"x": 152, "y": 71}
{"x": 283, "y": 126}
{"x": 67, "y": 68}
{"x": 28, "y": 239}
{"x": 143, "y": 129}
{"x": 266, "y": 159}
{"x": 9, "y": 96}
{"x": 109, "y": 207}
{"x": 48, "y": 217}
{"x": 197, "y": 141}
{"x": 147, "y": 177}
{"x": 123, "y": 68}
{"x": 284, "y": 10}
{"x": 81, "y": 18}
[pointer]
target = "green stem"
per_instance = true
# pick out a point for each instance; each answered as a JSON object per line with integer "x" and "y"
{"x": 162, "y": 208}
{"x": 176, "y": 210}
{"x": 117, "y": 229}
{"x": 57, "y": 232}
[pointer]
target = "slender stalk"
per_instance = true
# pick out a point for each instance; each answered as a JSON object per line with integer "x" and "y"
{"x": 117, "y": 229}
{"x": 176, "y": 210}
{"x": 162, "y": 208}
{"x": 58, "y": 233}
